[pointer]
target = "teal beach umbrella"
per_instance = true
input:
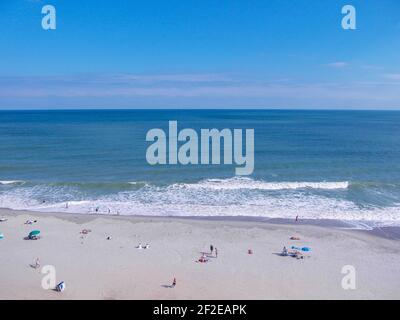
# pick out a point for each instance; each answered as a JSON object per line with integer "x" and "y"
{"x": 34, "y": 233}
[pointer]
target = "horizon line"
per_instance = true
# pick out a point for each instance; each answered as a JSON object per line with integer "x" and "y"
{"x": 200, "y": 109}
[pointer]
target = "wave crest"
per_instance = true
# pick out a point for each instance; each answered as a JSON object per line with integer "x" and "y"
{"x": 8, "y": 182}
{"x": 247, "y": 183}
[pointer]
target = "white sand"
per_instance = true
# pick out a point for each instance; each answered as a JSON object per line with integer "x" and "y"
{"x": 96, "y": 268}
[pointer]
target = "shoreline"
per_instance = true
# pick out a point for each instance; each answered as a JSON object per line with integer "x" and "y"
{"x": 96, "y": 268}
{"x": 387, "y": 232}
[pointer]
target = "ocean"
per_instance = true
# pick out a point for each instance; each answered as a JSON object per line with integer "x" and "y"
{"x": 342, "y": 165}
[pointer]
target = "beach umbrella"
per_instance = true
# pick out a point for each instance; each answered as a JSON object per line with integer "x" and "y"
{"x": 34, "y": 233}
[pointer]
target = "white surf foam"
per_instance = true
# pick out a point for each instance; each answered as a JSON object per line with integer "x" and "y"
{"x": 247, "y": 183}
{"x": 203, "y": 200}
{"x": 6, "y": 182}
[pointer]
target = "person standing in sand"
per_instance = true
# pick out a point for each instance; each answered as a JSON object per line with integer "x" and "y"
{"x": 216, "y": 252}
{"x": 173, "y": 283}
{"x": 211, "y": 249}
{"x": 37, "y": 264}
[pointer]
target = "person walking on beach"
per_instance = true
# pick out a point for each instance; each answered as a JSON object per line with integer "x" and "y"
{"x": 297, "y": 218}
{"x": 211, "y": 249}
{"x": 36, "y": 265}
{"x": 216, "y": 252}
{"x": 173, "y": 283}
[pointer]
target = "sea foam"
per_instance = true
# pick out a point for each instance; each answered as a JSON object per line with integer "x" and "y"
{"x": 248, "y": 183}
{"x": 243, "y": 197}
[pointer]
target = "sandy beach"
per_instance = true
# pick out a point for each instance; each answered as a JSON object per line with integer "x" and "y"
{"x": 96, "y": 268}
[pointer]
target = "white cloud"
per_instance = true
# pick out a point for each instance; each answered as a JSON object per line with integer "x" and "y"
{"x": 372, "y": 67}
{"x": 192, "y": 90}
{"x": 338, "y": 64}
{"x": 392, "y": 76}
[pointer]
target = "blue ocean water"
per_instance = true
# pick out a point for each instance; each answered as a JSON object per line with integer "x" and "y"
{"x": 315, "y": 164}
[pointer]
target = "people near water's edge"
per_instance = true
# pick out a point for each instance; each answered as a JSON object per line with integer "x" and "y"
{"x": 284, "y": 252}
{"x": 211, "y": 249}
{"x": 173, "y": 283}
{"x": 297, "y": 218}
{"x": 216, "y": 252}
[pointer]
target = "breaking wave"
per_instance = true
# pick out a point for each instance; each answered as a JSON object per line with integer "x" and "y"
{"x": 211, "y": 197}
{"x": 247, "y": 183}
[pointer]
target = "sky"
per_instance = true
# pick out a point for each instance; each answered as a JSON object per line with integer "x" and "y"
{"x": 200, "y": 54}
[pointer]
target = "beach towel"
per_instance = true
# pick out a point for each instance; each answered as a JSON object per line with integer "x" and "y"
{"x": 306, "y": 249}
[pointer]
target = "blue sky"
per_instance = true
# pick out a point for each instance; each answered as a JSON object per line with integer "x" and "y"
{"x": 200, "y": 54}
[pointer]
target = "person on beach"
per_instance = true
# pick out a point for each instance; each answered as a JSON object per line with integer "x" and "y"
{"x": 202, "y": 259}
{"x": 284, "y": 252}
{"x": 36, "y": 265}
{"x": 216, "y": 252}
{"x": 297, "y": 218}
{"x": 66, "y": 205}
{"x": 173, "y": 283}
{"x": 211, "y": 249}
